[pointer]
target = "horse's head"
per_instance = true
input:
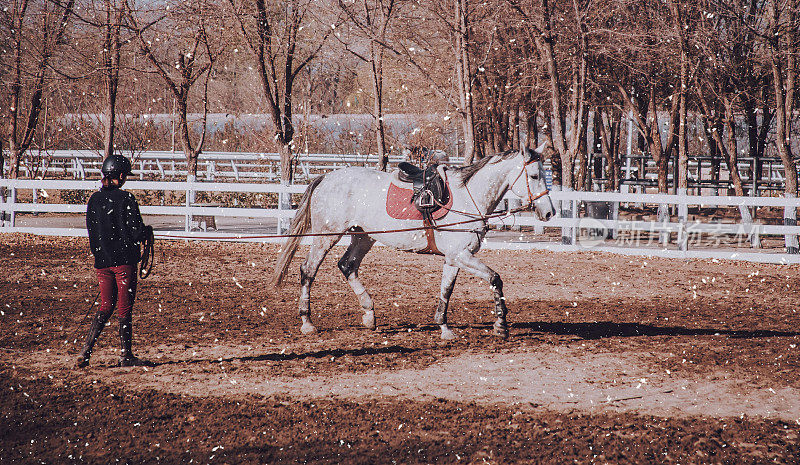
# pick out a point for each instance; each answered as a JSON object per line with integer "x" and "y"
{"x": 529, "y": 183}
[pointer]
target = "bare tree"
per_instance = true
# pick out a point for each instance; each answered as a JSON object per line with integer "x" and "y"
{"x": 283, "y": 38}
{"x": 567, "y": 79}
{"x": 372, "y": 19}
{"x": 34, "y": 31}
{"x": 646, "y": 85}
{"x": 436, "y": 44}
{"x": 112, "y": 45}
{"x": 782, "y": 48}
{"x": 723, "y": 79}
{"x": 185, "y": 26}
{"x": 610, "y": 129}
{"x": 464, "y": 76}
{"x": 105, "y": 19}
{"x": 681, "y": 27}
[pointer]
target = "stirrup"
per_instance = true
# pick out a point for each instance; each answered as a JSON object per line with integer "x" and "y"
{"x": 425, "y": 199}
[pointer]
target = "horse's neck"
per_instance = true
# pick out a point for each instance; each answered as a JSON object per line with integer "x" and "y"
{"x": 488, "y": 186}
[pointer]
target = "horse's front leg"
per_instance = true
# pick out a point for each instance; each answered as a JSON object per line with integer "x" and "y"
{"x": 472, "y": 264}
{"x": 449, "y": 274}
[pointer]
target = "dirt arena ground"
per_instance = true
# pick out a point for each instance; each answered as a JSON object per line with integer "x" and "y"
{"x": 611, "y": 359}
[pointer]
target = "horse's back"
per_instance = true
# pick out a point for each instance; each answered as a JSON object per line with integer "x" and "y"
{"x": 354, "y": 180}
{"x": 352, "y": 196}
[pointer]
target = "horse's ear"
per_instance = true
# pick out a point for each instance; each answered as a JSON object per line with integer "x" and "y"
{"x": 535, "y": 154}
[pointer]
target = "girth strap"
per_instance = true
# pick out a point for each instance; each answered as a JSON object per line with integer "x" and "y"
{"x": 431, "y": 248}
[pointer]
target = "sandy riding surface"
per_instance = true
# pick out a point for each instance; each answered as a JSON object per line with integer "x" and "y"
{"x": 610, "y": 359}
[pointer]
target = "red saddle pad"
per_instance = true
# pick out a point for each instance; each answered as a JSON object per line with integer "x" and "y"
{"x": 400, "y": 207}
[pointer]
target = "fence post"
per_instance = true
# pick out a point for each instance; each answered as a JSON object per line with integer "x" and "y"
{"x": 790, "y": 219}
{"x": 211, "y": 170}
{"x": 235, "y": 169}
{"x": 615, "y": 217}
{"x": 662, "y": 218}
{"x": 160, "y": 168}
{"x": 566, "y": 212}
{"x": 13, "y": 200}
{"x": 284, "y": 203}
{"x": 2, "y": 199}
{"x": 79, "y": 167}
{"x": 683, "y": 218}
{"x": 189, "y": 201}
{"x": 754, "y": 233}
{"x": 573, "y": 236}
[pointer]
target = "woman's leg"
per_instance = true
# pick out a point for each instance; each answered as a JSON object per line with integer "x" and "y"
{"x": 108, "y": 298}
{"x": 126, "y": 279}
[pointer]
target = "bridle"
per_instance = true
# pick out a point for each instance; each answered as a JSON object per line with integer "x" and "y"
{"x": 531, "y": 196}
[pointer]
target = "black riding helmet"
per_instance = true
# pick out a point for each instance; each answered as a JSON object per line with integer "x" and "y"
{"x": 115, "y": 166}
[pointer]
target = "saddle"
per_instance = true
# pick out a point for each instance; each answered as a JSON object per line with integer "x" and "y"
{"x": 430, "y": 190}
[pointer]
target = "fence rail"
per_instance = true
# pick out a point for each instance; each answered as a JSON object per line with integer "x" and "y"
{"x": 575, "y": 229}
{"x": 235, "y": 166}
{"x": 638, "y": 171}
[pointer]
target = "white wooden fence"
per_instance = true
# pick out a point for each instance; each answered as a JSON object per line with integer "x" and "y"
{"x": 211, "y": 166}
{"x": 574, "y": 228}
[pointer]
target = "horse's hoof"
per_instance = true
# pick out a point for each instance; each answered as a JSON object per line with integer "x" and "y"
{"x": 369, "y": 320}
{"x": 447, "y": 334}
{"x": 308, "y": 328}
{"x": 501, "y": 330}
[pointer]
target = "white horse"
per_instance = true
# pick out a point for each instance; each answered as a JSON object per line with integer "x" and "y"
{"x": 356, "y": 201}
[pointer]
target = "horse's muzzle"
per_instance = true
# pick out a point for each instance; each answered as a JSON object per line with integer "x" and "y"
{"x": 543, "y": 207}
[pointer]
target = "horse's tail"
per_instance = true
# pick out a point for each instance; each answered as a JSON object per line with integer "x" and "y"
{"x": 300, "y": 225}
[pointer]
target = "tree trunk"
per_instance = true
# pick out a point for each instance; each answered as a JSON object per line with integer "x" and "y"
{"x": 713, "y": 150}
{"x": 682, "y": 178}
{"x": 52, "y": 36}
{"x": 111, "y": 55}
{"x": 515, "y": 139}
{"x": 654, "y": 144}
{"x": 751, "y": 117}
{"x": 683, "y": 140}
{"x": 783, "y": 77}
{"x": 532, "y": 129}
{"x": 583, "y": 178}
{"x": 732, "y": 152}
{"x": 464, "y": 76}
{"x": 558, "y": 137}
{"x": 490, "y": 147}
{"x": 186, "y": 141}
{"x": 287, "y": 164}
{"x": 609, "y": 128}
{"x": 377, "y": 82}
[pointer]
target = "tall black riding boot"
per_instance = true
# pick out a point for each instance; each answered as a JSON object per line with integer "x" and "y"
{"x": 127, "y": 359}
{"x": 98, "y": 323}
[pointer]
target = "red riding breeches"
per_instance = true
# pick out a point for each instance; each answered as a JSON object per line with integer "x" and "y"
{"x": 117, "y": 287}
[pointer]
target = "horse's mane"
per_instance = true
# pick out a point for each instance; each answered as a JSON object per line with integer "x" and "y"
{"x": 468, "y": 171}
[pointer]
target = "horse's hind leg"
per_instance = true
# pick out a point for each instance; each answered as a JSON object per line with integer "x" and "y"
{"x": 308, "y": 270}
{"x": 349, "y": 263}
{"x": 472, "y": 264}
{"x": 449, "y": 274}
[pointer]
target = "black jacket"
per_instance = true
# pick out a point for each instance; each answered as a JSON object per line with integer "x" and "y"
{"x": 115, "y": 227}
